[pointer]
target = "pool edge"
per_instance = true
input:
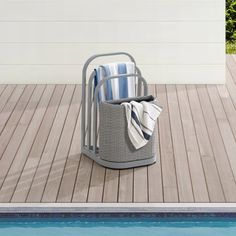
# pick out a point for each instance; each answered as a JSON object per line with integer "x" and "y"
{"x": 117, "y": 207}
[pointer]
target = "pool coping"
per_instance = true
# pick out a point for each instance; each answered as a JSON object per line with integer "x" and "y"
{"x": 117, "y": 208}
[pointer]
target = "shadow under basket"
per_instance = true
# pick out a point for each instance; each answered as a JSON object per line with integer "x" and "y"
{"x": 114, "y": 143}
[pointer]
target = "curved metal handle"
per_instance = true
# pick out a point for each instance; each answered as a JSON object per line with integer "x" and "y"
{"x": 86, "y": 64}
{"x": 84, "y": 72}
{"x": 89, "y": 102}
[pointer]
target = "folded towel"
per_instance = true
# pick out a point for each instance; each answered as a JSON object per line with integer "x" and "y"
{"x": 141, "y": 118}
{"x": 117, "y": 88}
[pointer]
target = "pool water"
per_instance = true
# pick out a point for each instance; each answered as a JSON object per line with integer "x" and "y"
{"x": 114, "y": 226}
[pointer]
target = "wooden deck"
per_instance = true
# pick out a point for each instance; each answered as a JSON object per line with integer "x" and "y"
{"x": 40, "y": 158}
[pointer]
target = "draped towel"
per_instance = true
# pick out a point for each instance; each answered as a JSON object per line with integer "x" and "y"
{"x": 141, "y": 118}
{"x": 117, "y": 88}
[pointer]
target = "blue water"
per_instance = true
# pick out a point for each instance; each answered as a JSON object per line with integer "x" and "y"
{"x": 135, "y": 226}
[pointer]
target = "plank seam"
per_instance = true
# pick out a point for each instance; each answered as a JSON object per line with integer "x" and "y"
{"x": 77, "y": 117}
{"x": 181, "y": 121}
{"x": 57, "y": 146}
{"x": 18, "y": 146}
{"x": 45, "y": 143}
{"x": 220, "y": 132}
{"x": 198, "y": 145}
{"x": 211, "y": 144}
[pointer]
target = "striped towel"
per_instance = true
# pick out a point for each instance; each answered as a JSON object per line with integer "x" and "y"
{"x": 117, "y": 88}
{"x": 141, "y": 118}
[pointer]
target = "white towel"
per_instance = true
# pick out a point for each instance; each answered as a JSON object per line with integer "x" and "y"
{"x": 119, "y": 87}
{"x": 141, "y": 118}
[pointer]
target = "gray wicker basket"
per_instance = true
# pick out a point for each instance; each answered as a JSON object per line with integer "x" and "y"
{"x": 114, "y": 142}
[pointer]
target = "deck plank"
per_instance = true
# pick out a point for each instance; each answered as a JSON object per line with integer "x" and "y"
{"x": 71, "y": 169}
{"x": 231, "y": 85}
{"x": 195, "y": 163}
{"x": 83, "y": 179}
{"x": 42, "y": 172}
{"x": 33, "y": 159}
{"x": 218, "y": 147}
{"x": 58, "y": 165}
{"x": 140, "y": 184}
{"x": 181, "y": 159}
{"x": 14, "y": 118}
{"x": 13, "y": 145}
{"x": 215, "y": 190}
{"x": 231, "y": 64}
{"x": 170, "y": 188}
{"x": 155, "y": 188}
{"x": 5, "y": 95}
{"x": 228, "y": 106}
{"x": 2, "y": 88}
{"x": 10, "y": 105}
{"x": 125, "y": 193}
{"x": 111, "y": 186}
{"x": 225, "y": 130}
{"x": 97, "y": 183}
{"x": 24, "y": 149}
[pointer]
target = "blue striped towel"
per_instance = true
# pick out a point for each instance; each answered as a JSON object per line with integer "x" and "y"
{"x": 117, "y": 88}
{"x": 141, "y": 118}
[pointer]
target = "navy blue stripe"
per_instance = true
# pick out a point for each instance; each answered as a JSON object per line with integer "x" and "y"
{"x": 109, "y": 95}
{"x": 96, "y": 82}
{"x": 133, "y": 115}
{"x": 123, "y": 83}
{"x": 135, "y": 118}
{"x": 95, "y": 78}
{"x": 146, "y": 136}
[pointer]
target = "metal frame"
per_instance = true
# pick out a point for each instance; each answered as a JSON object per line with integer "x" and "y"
{"x": 91, "y": 150}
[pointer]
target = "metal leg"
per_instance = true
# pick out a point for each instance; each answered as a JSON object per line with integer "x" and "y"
{"x": 89, "y": 108}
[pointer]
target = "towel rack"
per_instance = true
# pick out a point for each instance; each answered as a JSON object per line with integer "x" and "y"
{"x": 103, "y": 133}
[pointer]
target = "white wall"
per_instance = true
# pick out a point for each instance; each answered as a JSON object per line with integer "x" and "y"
{"x": 173, "y": 41}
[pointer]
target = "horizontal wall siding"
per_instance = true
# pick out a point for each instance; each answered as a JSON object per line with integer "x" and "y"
{"x": 145, "y": 53}
{"x": 173, "y": 41}
{"x": 112, "y": 10}
{"x": 72, "y": 73}
{"x": 106, "y": 32}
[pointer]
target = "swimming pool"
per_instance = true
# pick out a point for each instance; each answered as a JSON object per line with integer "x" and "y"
{"x": 119, "y": 224}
